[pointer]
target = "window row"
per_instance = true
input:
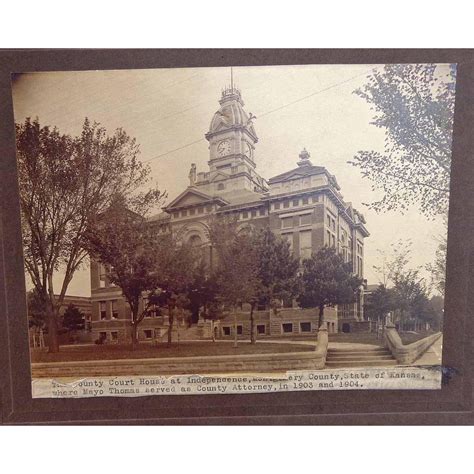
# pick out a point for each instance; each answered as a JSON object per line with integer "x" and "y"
{"x": 193, "y": 211}
{"x": 287, "y": 203}
{"x": 287, "y": 328}
{"x": 229, "y": 330}
{"x": 252, "y": 213}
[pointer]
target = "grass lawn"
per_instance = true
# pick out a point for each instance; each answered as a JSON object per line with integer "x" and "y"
{"x": 147, "y": 350}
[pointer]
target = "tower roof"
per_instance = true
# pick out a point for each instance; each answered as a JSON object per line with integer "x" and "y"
{"x": 231, "y": 114}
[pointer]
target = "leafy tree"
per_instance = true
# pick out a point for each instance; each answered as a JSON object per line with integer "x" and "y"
{"x": 36, "y": 309}
{"x": 327, "y": 280}
{"x": 277, "y": 272}
{"x": 175, "y": 272}
{"x": 414, "y": 105}
{"x": 437, "y": 312}
{"x": 73, "y": 318}
{"x": 411, "y": 296}
{"x": 380, "y": 302}
{"x": 202, "y": 291}
{"x": 64, "y": 183}
{"x": 138, "y": 254}
{"x": 236, "y": 272}
{"x": 437, "y": 268}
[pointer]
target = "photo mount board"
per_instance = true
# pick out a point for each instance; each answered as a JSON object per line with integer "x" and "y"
{"x": 452, "y": 404}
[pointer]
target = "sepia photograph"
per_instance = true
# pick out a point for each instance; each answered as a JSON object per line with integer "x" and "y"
{"x": 231, "y": 230}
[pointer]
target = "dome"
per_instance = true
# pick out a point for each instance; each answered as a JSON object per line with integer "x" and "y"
{"x": 231, "y": 113}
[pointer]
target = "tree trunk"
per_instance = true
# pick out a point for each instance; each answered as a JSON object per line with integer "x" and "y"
{"x": 170, "y": 327}
{"x": 321, "y": 315}
{"x": 253, "y": 338}
{"x": 53, "y": 341}
{"x": 134, "y": 335}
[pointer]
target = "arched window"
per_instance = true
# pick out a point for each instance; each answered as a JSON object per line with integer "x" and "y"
{"x": 220, "y": 186}
{"x": 195, "y": 240}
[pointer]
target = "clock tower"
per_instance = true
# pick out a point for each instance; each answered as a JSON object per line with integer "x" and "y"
{"x": 232, "y": 141}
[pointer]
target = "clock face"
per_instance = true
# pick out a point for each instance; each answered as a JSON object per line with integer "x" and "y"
{"x": 224, "y": 148}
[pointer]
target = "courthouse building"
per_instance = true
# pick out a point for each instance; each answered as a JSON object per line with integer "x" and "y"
{"x": 303, "y": 205}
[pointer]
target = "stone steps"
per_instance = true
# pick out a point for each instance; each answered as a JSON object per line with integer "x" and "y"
{"x": 364, "y": 357}
{"x": 360, "y": 363}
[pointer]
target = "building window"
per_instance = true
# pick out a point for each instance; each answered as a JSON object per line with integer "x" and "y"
{"x": 220, "y": 186}
{"x": 114, "y": 309}
{"x": 296, "y": 202}
{"x": 305, "y": 201}
{"x": 103, "y": 336}
{"x": 200, "y": 210}
{"x": 114, "y": 335}
{"x": 208, "y": 208}
{"x": 305, "y": 219}
{"x": 305, "y": 244}
{"x": 315, "y": 199}
{"x": 328, "y": 235}
{"x": 287, "y": 327}
{"x": 245, "y": 215}
{"x": 333, "y": 240}
{"x": 226, "y": 330}
{"x": 254, "y": 213}
{"x": 276, "y": 206}
{"x": 328, "y": 220}
{"x": 305, "y": 327}
{"x": 239, "y": 330}
{"x": 103, "y": 310}
{"x": 286, "y": 222}
{"x": 175, "y": 214}
{"x": 192, "y": 212}
{"x": 260, "y": 328}
{"x": 262, "y": 212}
{"x": 184, "y": 213}
{"x": 286, "y": 204}
{"x": 195, "y": 241}
{"x": 148, "y": 333}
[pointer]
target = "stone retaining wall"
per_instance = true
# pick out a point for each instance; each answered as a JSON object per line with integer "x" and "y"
{"x": 407, "y": 354}
{"x": 260, "y": 363}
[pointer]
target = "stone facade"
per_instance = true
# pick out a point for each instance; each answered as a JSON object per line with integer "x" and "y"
{"x": 304, "y": 205}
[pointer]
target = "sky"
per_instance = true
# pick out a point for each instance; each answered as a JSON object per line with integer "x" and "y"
{"x": 168, "y": 111}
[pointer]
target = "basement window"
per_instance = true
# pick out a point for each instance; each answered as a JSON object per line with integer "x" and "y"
{"x": 260, "y": 328}
{"x": 148, "y": 333}
{"x": 226, "y": 330}
{"x": 305, "y": 327}
{"x": 287, "y": 327}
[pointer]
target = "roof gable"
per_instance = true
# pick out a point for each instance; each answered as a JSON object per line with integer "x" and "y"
{"x": 189, "y": 197}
